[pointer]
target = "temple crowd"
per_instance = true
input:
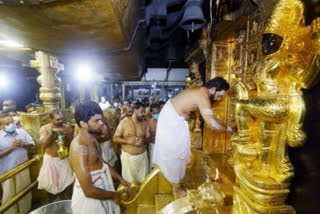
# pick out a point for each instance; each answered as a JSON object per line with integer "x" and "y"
{"x": 132, "y": 118}
{"x": 109, "y": 144}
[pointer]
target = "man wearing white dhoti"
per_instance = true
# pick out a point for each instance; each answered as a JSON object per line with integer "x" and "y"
{"x": 55, "y": 175}
{"x": 172, "y": 146}
{"x": 14, "y": 145}
{"x": 104, "y": 139}
{"x": 93, "y": 190}
{"x": 133, "y": 135}
{"x": 108, "y": 153}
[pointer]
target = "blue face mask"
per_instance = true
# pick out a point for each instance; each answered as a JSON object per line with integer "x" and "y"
{"x": 10, "y": 128}
{"x": 155, "y": 116}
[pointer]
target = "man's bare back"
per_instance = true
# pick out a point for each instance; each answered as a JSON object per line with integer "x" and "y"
{"x": 48, "y": 138}
{"x": 189, "y": 100}
{"x": 152, "y": 124}
{"x": 134, "y": 132}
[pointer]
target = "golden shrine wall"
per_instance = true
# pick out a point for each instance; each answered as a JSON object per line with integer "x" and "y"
{"x": 267, "y": 60}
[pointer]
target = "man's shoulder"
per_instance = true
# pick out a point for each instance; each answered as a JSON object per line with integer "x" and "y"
{"x": 67, "y": 126}
{"x": 45, "y": 127}
{"x": 124, "y": 120}
{"x": 79, "y": 141}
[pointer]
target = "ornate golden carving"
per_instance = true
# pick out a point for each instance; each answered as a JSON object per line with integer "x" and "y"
{"x": 267, "y": 122}
{"x": 62, "y": 150}
{"x": 48, "y": 67}
{"x": 194, "y": 121}
{"x": 112, "y": 116}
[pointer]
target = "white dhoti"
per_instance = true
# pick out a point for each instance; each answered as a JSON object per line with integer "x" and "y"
{"x": 83, "y": 205}
{"x": 55, "y": 174}
{"x": 108, "y": 153}
{"x": 11, "y": 187}
{"x": 134, "y": 167}
{"x": 172, "y": 146}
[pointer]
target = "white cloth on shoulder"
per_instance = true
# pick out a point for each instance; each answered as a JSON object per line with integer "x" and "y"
{"x": 11, "y": 187}
{"x": 55, "y": 174}
{"x": 134, "y": 167}
{"x": 172, "y": 149}
{"x": 108, "y": 153}
{"x": 83, "y": 205}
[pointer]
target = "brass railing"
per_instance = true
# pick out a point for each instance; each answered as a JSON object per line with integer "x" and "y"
{"x": 12, "y": 173}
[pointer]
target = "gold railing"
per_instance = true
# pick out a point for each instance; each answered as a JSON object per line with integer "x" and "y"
{"x": 12, "y": 173}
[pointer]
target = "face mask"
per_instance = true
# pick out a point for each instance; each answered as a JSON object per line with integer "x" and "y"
{"x": 10, "y": 128}
{"x": 5, "y": 108}
{"x": 155, "y": 116}
{"x": 115, "y": 104}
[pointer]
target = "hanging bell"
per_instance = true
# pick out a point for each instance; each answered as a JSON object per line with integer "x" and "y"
{"x": 193, "y": 18}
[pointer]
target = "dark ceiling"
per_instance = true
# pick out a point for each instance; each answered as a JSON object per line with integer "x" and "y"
{"x": 64, "y": 27}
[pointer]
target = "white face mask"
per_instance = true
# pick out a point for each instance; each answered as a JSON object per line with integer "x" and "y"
{"x": 5, "y": 108}
{"x": 115, "y": 104}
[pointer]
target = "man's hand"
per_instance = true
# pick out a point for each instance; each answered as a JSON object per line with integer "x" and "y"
{"x": 131, "y": 140}
{"x": 139, "y": 141}
{"x": 117, "y": 197}
{"x": 126, "y": 184}
{"x": 16, "y": 143}
{"x": 57, "y": 130}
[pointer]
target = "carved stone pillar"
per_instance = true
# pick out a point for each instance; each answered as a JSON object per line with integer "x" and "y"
{"x": 48, "y": 66}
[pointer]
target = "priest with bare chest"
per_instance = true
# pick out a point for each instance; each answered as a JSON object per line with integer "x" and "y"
{"x": 133, "y": 135}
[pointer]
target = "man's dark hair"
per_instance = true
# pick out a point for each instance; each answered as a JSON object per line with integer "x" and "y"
{"x": 161, "y": 102}
{"x": 115, "y": 98}
{"x": 129, "y": 101}
{"x": 85, "y": 111}
{"x": 137, "y": 105}
{"x": 10, "y": 109}
{"x": 219, "y": 83}
{"x": 54, "y": 112}
{"x": 29, "y": 106}
{"x": 154, "y": 105}
{"x": 12, "y": 101}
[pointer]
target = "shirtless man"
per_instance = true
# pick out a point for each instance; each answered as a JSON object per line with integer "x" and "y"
{"x": 93, "y": 190}
{"x": 127, "y": 112}
{"x": 133, "y": 135}
{"x": 55, "y": 174}
{"x": 152, "y": 123}
{"x": 172, "y": 146}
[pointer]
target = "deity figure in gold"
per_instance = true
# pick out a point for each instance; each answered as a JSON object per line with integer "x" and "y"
{"x": 274, "y": 118}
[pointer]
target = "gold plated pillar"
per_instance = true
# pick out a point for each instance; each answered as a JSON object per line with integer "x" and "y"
{"x": 48, "y": 66}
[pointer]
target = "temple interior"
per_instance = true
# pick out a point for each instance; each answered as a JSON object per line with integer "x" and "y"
{"x": 57, "y": 54}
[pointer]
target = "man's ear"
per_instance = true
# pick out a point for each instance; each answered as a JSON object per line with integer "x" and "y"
{"x": 83, "y": 124}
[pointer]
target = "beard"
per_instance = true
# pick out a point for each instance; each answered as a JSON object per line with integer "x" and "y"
{"x": 140, "y": 119}
{"x": 212, "y": 98}
{"x": 94, "y": 131}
